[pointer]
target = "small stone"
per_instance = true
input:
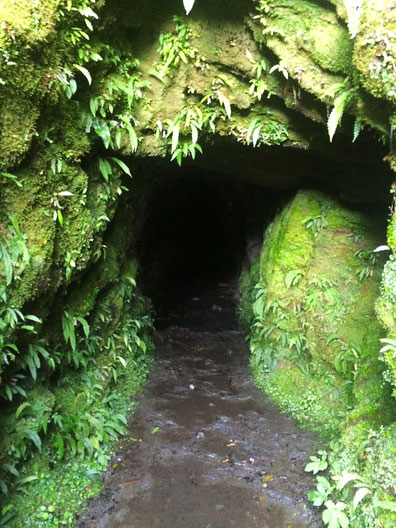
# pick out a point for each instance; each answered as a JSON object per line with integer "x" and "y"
{"x": 199, "y": 435}
{"x": 192, "y": 387}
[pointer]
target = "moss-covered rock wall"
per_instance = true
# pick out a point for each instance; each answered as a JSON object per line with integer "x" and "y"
{"x": 315, "y": 338}
{"x": 87, "y": 87}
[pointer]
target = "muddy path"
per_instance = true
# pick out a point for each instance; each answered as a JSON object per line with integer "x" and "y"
{"x": 206, "y": 448}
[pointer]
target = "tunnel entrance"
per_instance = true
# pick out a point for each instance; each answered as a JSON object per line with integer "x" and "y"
{"x": 201, "y": 224}
{"x": 199, "y": 229}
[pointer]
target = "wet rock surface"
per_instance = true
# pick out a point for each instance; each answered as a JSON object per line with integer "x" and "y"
{"x": 206, "y": 449}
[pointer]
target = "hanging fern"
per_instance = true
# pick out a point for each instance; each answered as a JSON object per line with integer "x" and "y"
{"x": 335, "y": 116}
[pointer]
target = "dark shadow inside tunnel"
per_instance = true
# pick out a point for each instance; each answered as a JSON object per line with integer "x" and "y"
{"x": 201, "y": 224}
{"x": 199, "y": 229}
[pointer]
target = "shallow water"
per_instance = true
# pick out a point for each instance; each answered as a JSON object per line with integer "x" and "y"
{"x": 208, "y": 450}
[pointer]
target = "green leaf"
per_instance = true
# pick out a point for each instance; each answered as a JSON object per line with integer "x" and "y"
{"x": 5, "y": 257}
{"x": 84, "y": 71}
{"x": 344, "y": 478}
{"x": 336, "y": 114}
{"x": 122, "y": 361}
{"x": 60, "y": 446}
{"x": 105, "y": 168}
{"x": 194, "y": 134}
{"x": 21, "y": 408}
{"x": 121, "y": 418}
{"x": 59, "y": 216}
{"x": 88, "y": 445}
{"x": 85, "y": 325}
{"x": 34, "y": 437}
{"x": 33, "y": 318}
{"x": 26, "y": 480}
{"x": 356, "y": 129}
{"x": 359, "y": 496}
{"x": 3, "y": 487}
{"x": 68, "y": 330}
{"x": 175, "y": 137}
{"x": 223, "y": 100}
{"x": 123, "y": 166}
{"x": 10, "y": 469}
{"x": 133, "y": 140}
{"x": 118, "y": 137}
{"x": 72, "y": 445}
{"x": 292, "y": 278}
{"x": 94, "y": 105}
{"x": 334, "y": 516}
{"x": 32, "y": 367}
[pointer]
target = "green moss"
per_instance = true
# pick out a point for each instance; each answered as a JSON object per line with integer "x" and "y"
{"x": 291, "y": 31}
{"x": 318, "y": 317}
{"x": 315, "y": 340}
{"x": 375, "y": 51}
{"x": 331, "y": 48}
{"x": 287, "y": 244}
{"x": 32, "y": 22}
{"x": 17, "y": 121}
{"x": 304, "y": 398}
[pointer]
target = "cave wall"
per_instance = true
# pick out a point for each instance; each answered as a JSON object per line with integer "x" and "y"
{"x": 88, "y": 88}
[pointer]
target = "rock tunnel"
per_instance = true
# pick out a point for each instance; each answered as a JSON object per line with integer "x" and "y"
{"x": 204, "y": 222}
{"x": 281, "y": 116}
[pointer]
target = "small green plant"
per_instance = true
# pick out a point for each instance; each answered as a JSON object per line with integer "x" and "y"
{"x": 344, "y": 94}
{"x": 264, "y": 131}
{"x": 317, "y": 463}
{"x": 369, "y": 260}
{"x": 174, "y": 48}
{"x": 334, "y": 515}
{"x": 8, "y": 177}
{"x": 281, "y": 68}
{"x": 293, "y": 277}
{"x": 315, "y": 224}
{"x": 192, "y": 120}
{"x": 70, "y": 262}
{"x": 323, "y": 489}
{"x": 347, "y": 359}
{"x": 258, "y": 85}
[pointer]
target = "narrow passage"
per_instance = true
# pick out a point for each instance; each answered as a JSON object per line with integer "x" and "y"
{"x": 206, "y": 450}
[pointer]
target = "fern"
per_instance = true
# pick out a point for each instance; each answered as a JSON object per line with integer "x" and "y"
{"x": 356, "y": 129}
{"x": 293, "y": 278}
{"x": 335, "y": 116}
{"x": 21, "y": 409}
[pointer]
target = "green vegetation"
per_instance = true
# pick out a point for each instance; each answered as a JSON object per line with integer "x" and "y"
{"x": 87, "y": 87}
{"x": 316, "y": 351}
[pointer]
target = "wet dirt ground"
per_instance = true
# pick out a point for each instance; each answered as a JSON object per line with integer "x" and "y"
{"x": 207, "y": 450}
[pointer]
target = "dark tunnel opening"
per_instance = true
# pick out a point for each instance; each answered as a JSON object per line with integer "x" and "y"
{"x": 199, "y": 229}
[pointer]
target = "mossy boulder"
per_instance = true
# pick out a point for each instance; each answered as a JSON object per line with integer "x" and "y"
{"x": 375, "y": 49}
{"x": 316, "y": 316}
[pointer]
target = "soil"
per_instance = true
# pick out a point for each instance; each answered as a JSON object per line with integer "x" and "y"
{"x": 206, "y": 448}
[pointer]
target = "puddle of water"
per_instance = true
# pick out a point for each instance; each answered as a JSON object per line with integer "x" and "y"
{"x": 222, "y": 456}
